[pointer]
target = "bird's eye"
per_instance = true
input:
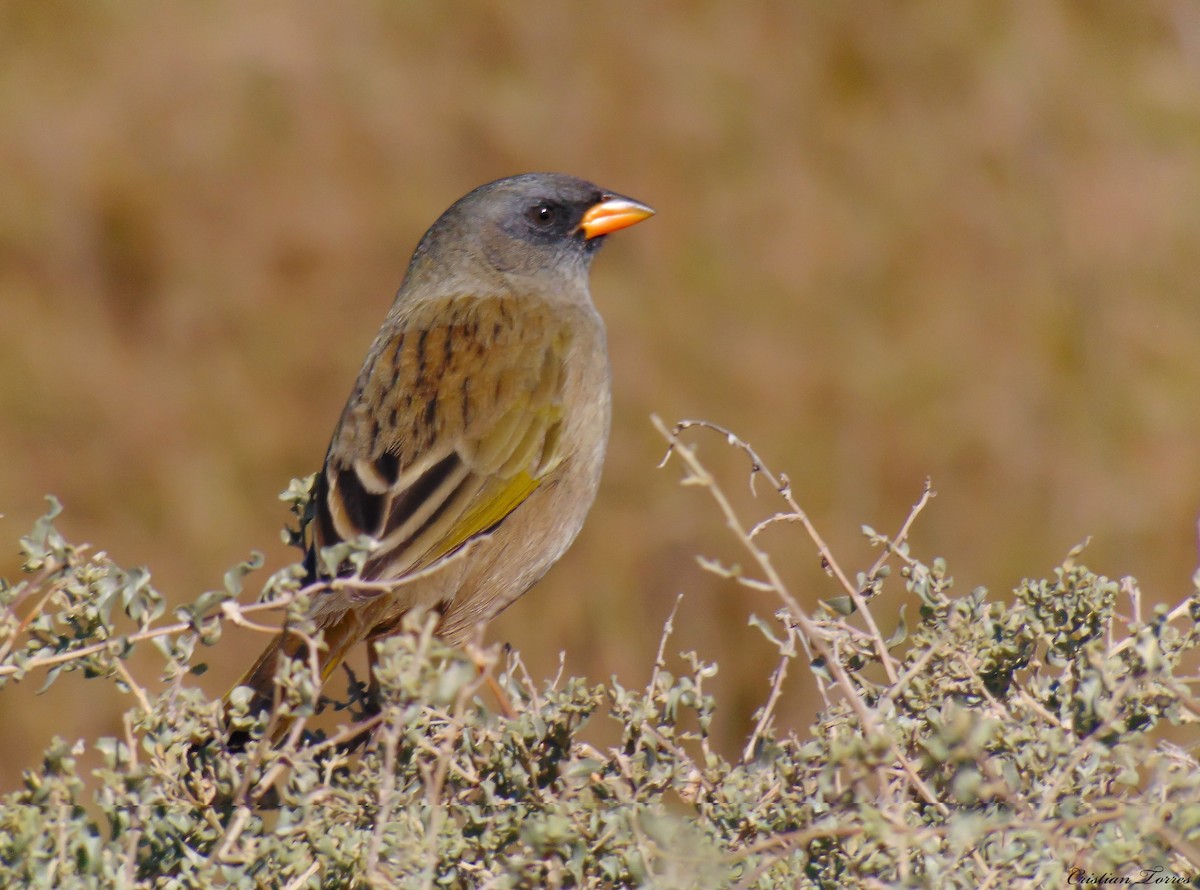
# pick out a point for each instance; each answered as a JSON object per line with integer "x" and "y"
{"x": 543, "y": 215}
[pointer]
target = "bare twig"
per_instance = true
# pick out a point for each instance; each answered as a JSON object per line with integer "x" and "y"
{"x": 892, "y": 546}
{"x": 659, "y": 658}
{"x": 796, "y": 514}
{"x": 165, "y": 631}
{"x": 810, "y": 632}
{"x": 764, "y": 718}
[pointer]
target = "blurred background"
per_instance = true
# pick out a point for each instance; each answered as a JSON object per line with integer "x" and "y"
{"x": 894, "y": 241}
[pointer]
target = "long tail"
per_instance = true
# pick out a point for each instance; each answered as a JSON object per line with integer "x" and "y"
{"x": 339, "y": 640}
{"x": 261, "y": 676}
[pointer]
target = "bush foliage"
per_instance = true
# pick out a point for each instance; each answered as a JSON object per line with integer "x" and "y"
{"x": 981, "y": 743}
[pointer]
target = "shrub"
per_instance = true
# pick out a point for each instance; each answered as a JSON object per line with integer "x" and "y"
{"x": 982, "y": 743}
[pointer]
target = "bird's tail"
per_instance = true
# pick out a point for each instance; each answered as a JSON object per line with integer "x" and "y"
{"x": 260, "y": 678}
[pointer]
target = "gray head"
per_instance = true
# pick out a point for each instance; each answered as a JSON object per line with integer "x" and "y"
{"x": 535, "y": 224}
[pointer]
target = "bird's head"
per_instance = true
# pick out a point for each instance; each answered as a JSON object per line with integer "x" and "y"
{"x": 537, "y": 224}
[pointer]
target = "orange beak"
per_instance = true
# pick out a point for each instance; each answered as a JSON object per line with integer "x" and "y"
{"x": 610, "y": 213}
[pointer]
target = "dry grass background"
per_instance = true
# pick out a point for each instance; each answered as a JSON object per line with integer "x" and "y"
{"x": 894, "y": 240}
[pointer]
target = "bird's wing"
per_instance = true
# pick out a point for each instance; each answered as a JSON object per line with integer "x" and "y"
{"x": 455, "y": 421}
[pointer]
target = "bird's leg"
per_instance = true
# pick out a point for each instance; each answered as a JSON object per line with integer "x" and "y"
{"x": 502, "y": 699}
{"x": 484, "y": 668}
{"x": 363, "y": 700}
{"x": 372, "y": 705}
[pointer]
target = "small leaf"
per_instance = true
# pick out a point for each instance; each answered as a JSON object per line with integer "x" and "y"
{"x": 843, "y": 605}
{"x": 900, "y": 634}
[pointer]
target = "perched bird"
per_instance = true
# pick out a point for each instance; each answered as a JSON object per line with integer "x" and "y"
{"x": 471, "y": 446}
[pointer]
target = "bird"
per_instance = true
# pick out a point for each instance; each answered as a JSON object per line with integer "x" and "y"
{"x": 471, "y": 446}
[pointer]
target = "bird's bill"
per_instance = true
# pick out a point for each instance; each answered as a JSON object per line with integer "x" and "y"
{"x": 611, "y": 214}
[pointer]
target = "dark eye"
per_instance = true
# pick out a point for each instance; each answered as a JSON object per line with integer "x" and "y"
{"x": 543, "y": 215}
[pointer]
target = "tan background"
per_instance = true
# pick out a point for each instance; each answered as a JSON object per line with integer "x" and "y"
{"x": 894, "y": 240}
